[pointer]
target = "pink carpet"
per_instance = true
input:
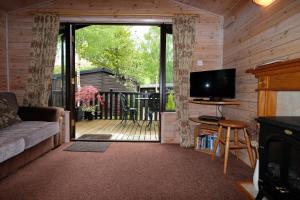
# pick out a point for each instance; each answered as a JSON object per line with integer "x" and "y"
{"x": 126, "y": 171}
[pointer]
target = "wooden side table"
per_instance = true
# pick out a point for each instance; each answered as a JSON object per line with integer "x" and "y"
{"x": 209, "y": 127}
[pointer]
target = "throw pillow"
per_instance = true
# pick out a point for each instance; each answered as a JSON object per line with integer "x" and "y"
{"x": 7, "y": 116}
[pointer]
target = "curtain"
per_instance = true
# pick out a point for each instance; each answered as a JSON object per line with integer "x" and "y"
{"x": 183, "y": 39}
{"x": 43, "y": 51}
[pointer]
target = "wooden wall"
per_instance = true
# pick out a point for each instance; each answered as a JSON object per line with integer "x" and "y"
{"x": 209, "y": 36}
{"x": 19, "y": 41}
{"x": 3, "y": 68}
{"x": 209, "y": 31}
{"x": 208, "y": 48}
{"x": 258, "y": 35}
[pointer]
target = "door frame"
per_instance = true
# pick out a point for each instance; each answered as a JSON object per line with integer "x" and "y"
{"x": 69, "y": 33}
{"x": 165, "y": 28}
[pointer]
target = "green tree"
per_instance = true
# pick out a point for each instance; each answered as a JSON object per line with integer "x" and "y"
{"x": 150, "y": 50}
{"x": 110, "y": 46}
{"x": 169, "y": 58}
{"x": 113, "y": 47}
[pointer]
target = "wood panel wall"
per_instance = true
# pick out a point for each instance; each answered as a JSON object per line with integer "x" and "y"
{"x": 3, "y": 68}
{"x": 209, "y": 31}
{"x": 19, "y": 42}
{"x": 209, "y": 36}
{"x": 258, "y": 35}
{"x": 115, "y": 8}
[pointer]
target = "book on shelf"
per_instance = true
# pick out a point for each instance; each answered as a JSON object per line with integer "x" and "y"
{"x": 206, "y": 142}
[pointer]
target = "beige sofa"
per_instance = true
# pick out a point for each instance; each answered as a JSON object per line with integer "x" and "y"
{"x": 39, "y": 131}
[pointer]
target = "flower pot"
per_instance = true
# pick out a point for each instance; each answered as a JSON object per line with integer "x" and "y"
{"x": 88, "y": 115}
{"x": 79, "y": 114}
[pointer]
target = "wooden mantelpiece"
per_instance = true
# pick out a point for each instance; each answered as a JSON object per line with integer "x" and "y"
{"x": 279, "y": 76}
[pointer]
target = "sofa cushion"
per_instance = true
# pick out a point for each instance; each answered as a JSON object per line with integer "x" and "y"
{"x": 8, "y": 115}
{"x": 33, "y": 132}
{"x": 10, "y": 145}
{"x": 11, "y": 100}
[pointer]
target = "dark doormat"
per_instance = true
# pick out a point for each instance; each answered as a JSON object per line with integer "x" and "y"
{"x": 95, "y": 137}
{"x": 81, "y": 146}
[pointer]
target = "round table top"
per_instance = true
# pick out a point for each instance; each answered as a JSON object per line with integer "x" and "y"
{"x": 232, "y": 123}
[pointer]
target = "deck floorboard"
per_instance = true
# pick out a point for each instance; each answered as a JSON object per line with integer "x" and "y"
{"x": 128, "y": 131}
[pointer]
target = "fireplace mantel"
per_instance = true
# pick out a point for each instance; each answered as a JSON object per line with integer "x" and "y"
{"x": 274, "y": 77}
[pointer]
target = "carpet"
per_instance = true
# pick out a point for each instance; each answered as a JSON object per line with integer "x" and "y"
{"x": 81, "y": 146}
{"x": 127, "y": 171}
{"x": 95, "y": 137}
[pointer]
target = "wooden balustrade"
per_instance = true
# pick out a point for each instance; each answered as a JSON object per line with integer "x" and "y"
{"x": 112, "y": 106}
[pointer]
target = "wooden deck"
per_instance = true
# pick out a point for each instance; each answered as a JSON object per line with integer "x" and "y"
{"x": 120, "y": 132}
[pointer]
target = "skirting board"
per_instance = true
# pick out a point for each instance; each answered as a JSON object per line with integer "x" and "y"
{"x": 169, "y": 133}
{"x": 67, "y": 126}
{"x": 247, "y": 187}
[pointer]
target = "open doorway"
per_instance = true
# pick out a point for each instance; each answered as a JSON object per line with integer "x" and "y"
{"x": 118, "y": 78}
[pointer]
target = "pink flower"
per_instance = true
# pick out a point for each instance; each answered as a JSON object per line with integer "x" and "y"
{"x": 100, "y": 99}
{"x": 87, "y": 94}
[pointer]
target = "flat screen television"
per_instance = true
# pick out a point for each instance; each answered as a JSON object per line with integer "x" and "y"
{"x": 215, "y": 84}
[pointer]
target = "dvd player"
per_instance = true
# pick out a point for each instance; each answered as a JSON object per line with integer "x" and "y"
{"x": 210, "y": 118}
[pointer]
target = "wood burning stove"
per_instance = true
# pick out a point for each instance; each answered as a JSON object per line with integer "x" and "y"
{"x": 279, "y": 153}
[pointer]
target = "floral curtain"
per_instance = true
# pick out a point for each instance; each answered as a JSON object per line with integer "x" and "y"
{"x": 183, "y": 39}
{"x": 43, "y": 51}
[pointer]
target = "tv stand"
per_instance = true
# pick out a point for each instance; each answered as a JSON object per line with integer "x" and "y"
{"x": 215, "y": 99}
{"x": 208, "y": 102}
{"x": 199, "y": 99}
{"x": 208, "y": 124}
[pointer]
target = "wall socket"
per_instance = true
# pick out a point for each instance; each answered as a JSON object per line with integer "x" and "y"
{"x": 199, "y": 63}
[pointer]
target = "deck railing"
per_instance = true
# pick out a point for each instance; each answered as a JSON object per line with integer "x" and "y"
{"x": 112, "y": 106}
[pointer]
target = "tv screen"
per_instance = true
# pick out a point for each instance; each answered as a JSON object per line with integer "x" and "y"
{"x": 213, "y": 84}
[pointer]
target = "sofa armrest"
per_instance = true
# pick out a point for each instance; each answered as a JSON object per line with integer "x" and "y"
{"x": 49, "y": 114}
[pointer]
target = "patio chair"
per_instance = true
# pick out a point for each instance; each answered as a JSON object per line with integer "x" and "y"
{"x": 154, "y": 106}
{"x": 126, "y": 109}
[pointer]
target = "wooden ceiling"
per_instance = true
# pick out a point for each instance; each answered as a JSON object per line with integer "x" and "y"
{"x": 220, "y": 7}
{"x": 10, "y": 5}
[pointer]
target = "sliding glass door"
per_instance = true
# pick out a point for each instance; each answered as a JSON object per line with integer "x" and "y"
{"x": 58, "y": 87}
{"x": 65, "y": 81}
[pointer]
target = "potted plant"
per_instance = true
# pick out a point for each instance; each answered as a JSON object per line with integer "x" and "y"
{"x": 79, "y": 113}
{"x": 85, "y": 99}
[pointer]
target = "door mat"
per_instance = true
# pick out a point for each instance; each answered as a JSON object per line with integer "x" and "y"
{"x": 95, "y": 137}
{"x": 80, "y": 146}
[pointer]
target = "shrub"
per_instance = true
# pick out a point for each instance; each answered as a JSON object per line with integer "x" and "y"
{"x": 170, "y": 102}
{"x": 86, "y": 95}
